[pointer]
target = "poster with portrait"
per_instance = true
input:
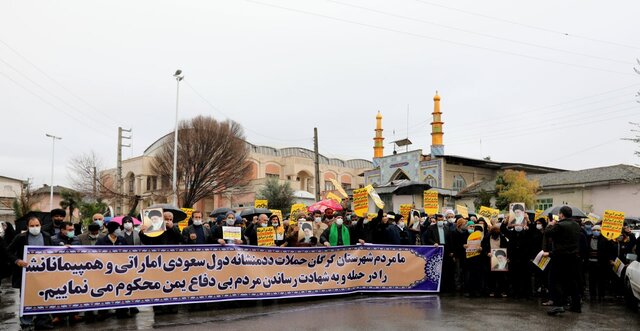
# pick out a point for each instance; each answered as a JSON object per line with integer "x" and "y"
{"x": 153, "y": 220}
{"x": 499, "y": 260}
{"x": 516, "y": 213}
{"x": 305, "y": 230}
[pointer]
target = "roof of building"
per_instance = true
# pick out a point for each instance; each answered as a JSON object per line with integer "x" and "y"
{"x": 282, "y": 152}
{"x": 530, "y": 168}
{"x": 46, "y": 189}
{"x": 616, "y": 174}
{"x": 11, "y": 178}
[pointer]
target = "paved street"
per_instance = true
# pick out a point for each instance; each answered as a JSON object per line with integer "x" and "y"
{"x": 363, "y": 312}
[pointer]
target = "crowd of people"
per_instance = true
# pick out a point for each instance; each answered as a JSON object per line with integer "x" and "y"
{"x": 581, "y": 258}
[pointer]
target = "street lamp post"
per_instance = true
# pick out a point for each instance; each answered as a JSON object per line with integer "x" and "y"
{"x": 178, "y": 75}
{"x": 53, "y": 151}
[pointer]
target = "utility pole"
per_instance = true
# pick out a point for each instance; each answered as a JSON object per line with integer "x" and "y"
{"x": 53, "y": 153}
{"x": 317, "y": 162}
{"x": 119, "y": 179}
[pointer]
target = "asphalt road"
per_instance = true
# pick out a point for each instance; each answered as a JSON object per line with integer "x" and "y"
{"x": 362, "y": 312}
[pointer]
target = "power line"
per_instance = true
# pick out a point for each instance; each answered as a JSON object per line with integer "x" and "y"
{"x": 476, "y": 33}
{"x": 106, "y": 116}
{"x": 25, "y": 76}
{"x": 227, "y": 116}
{"x": 435, "y": 38}
{"x": 49, "y": 103}
{"x": 580, "y": 151}
{"x": 528, "y": 25}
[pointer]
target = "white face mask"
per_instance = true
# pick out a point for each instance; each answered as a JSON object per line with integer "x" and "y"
{"x": 518, "y": 228}
{"x": 539, "y": 226}
{"x": 318, "y": 219}
{"x": 401, "y": 224}
{"x": 93, "y": 236}
{"x": 264, "y": 225}
{"x": 365, "y": 221}
{"x": 128, "y": 226}
{"x": 339, "y": 221}
{"x": 34, "y": 230}
{"x": 197, "y": 222}
{"x": 440, "y": 223}
{"x": 117, "y": 232}
{"x": 275, "y": 225}
{"x": 231, "y": 221}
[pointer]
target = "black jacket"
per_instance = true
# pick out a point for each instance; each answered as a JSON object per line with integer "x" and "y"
{"x": 168, "y": 237}
{"x": 16, "y": 252}
{"x": 565, "y": 236}
{"x": 397, "y": 236}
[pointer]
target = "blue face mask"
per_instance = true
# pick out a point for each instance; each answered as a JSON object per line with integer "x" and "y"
{"x": 596, "y": 233}
{"x": 71, "y": 234}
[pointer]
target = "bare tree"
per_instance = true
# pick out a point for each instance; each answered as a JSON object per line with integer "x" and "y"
{"x": 212, "y": 157}
{"x": 87, "y": 176}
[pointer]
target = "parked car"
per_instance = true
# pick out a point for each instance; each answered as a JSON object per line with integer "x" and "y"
{"x": 632, "y": 284}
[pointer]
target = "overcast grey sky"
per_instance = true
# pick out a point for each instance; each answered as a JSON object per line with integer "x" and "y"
{"x": 542, "y": 82}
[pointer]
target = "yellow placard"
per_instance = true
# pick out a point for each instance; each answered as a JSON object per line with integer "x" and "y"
{"x": 295, "y": 210}
{"x": 473, "y": 243}
{"x": 462, "y": 210}
{"x": 334, "y": 197}
{"x": 430, "y": 202}
{"x": 489, "y": 213}
{"x": 360, "y": 202}
{"x": 405, "y": 210}
{"x": 266, "y": 236}
{"x": 261, "y": 204}
{"x": 185, "y": 223}
{"x": 612, "y": 223}
{"x": 374, "y": 195}
{"x": 339, "y": 188}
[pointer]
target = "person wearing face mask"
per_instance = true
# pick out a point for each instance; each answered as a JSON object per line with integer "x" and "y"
{"x": 170, "y": 236}
{"x": 230, "y": 220}
{"x": 598, "y": 248}
{"x": 66, "y": 235}
{"x": 519, "y": 250}
{"x": 496, "y": 280}
{"x": 57, "y": 217}
{"x": 397, "y": 233}
{"x": 197, "y": 233}
{"x": 32, "y": 237}
{"x": 99, "y": 219}
{"x": 541, "y": 284}
{"x": 337, "y": 234}
{"x": 439, "y": 234}
{"x": 92, "y": 235}
{"x": 450, "y": 220}
{"x": 364, "y": 227}
{"x": 318, "y": 225}
{"x": 620, "y": 247}
{"x": 280, "y": 239}
{"x": 113, "y": 238}
{"x": 261, "y": 221}
{"x": 130, "y": 235}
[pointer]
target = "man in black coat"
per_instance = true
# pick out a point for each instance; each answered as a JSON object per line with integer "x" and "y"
{"x": 439, "y": 234}
{"x": 32, "y": 237}
{"x": 565, "y": 235}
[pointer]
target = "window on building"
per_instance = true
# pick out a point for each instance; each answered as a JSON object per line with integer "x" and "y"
{"x": 328, "y": 186}
{"x": 149, "y": 183}
{"x": 276, "y": 176}
{"x": 154, "y": 183}
{"x": 544, "y": 203}
{"x": 132, "y": 181}
{"x": 431, "y": 181}
{"x": 346, "y": 186}
{"x": 458, "y": 183}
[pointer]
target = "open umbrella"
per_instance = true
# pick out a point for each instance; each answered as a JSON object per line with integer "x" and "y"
{"x": 178, "y": 214}
{"x": 248, "y": 213}
{"x": 118, "y": 219}
{"x": 556, "y": 209}
{"x": 323, "y": 205}
{"x": 220, "y": 211}
{"x": 44, "y": 217}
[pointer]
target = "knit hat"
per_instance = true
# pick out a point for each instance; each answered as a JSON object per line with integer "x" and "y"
{"x": 596, "y": 227}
